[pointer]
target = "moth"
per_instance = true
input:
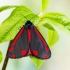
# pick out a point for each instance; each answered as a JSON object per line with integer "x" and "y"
{"x": 29, "y": 42}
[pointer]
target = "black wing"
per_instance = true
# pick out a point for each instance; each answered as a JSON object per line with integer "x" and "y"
{"x": 38, "y": 45}
{"x": 19, "y": 46}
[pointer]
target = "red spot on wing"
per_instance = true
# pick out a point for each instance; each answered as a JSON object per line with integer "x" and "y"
{"x": 35, "y": 52}
{"x": 13, "y": 56}
{"x": 42, "y": 39}
{"x": 29, "y": 35}
{"x": 23, "y": 52}
{"x": 46, "y": 56}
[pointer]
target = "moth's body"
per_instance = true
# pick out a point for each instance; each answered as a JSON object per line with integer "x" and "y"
{"x": 29, "y": 41}
{"x": 28, "y": 25}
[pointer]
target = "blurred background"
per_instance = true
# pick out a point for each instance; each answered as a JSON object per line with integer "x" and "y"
{"x": 60, "y": 59}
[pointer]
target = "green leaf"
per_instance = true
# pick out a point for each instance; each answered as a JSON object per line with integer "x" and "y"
{"x": 37, "y": 62}
{"x": 6, "y": 7}
{"x": 48, "y": 26}
{"x": 10, "y": 27}
{"x": 44, "y": 4}
{"x": 53, "y": 36}
{"x": 1, "y": 57}
{"x": 59, "y": 20}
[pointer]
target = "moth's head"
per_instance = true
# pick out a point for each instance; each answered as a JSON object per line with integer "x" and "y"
{"x": 28, "y": 24}
{"x": 28, "y": 21}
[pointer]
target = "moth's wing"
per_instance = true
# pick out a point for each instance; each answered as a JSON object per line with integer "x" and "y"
{"x": 19, "y": 46}
{"x": 38, "y": 45}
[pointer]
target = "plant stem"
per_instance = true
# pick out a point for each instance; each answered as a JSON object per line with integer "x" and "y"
{"x": 5, "y": 63}
{"x": 6, "y": 59}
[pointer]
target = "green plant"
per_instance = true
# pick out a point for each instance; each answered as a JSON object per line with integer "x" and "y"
{"x": 43, "y": 22}
{"x": 1, "y": 56}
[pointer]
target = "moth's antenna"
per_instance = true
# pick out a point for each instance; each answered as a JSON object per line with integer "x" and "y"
{"x": 25, "y": 17}
{"x": 34, "y": 16}
{"x": 22, "y": 15}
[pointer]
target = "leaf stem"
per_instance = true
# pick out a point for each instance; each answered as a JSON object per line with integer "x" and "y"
{"x": 6, "y": 60}
{"x": 5, "y": 63}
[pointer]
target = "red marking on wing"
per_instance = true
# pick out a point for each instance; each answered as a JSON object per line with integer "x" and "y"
{"x": 35, "y": 52}
{"x": 42, "y": 39}
{"x": 16, "y": 38}
{"x": 46, "y": 56}
{"x": 13, "y": 56}
{"x": 29, "y": 52}
{"x": 47, "y": 49}
{"x": 29, "y": 35}
{"x": 23, "y": 52}
{"x": 10, "y": 49}
{"x": 40, "y": 36}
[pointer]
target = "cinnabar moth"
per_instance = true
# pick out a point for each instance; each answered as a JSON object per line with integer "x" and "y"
{"x": 29, "y": 41}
